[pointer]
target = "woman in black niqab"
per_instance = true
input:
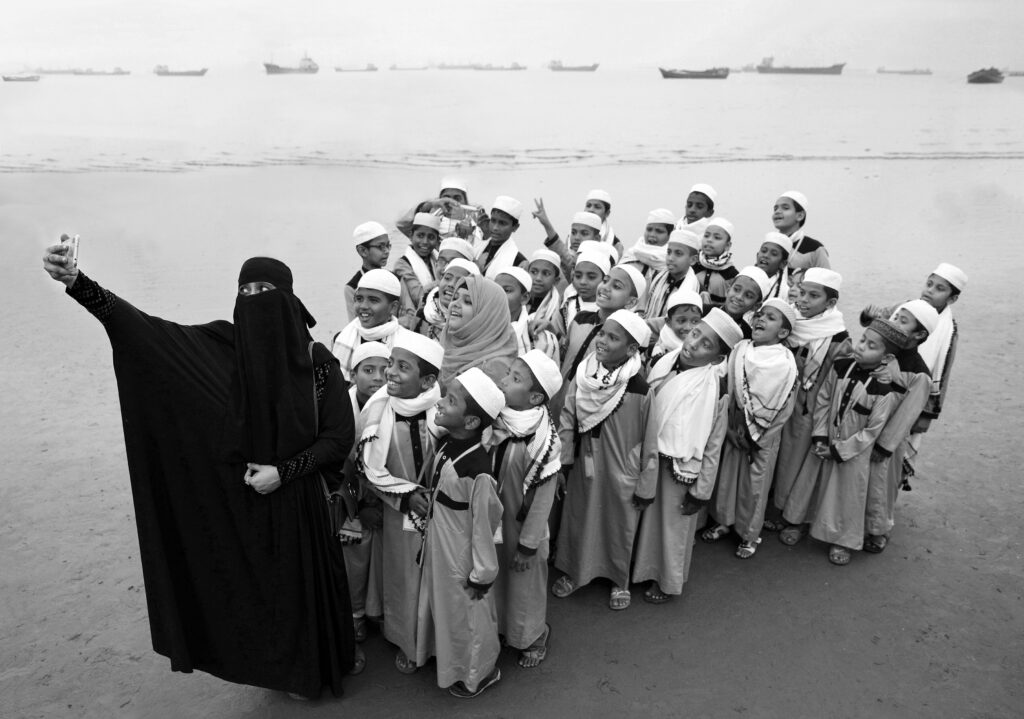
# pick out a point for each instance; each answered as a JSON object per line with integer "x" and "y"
{"x": 228, "y": 428}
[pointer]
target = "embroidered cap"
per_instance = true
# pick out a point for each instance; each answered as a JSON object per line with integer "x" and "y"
{"x": 483, "y": 390}
{"x": 823, "y": 277}
{"x": 890, "y": 332}
{"x": 633, "y": 323}
{"x": 455, "y": 244}
{"x": 519, "y": 275}
{"x": 544, "y": 370}
{"x": 724, "y": 326}
{"x": 367, "y": 350}
{"x": 952, "y": 274}
{"x": 382, "y": 280}
{"x": 368, "y": 231}
{"x": 509, "y": 205}
{"x": 420, "y": 345}
{"x": 685, "y": 237}
{"x": 427, "y": 219}
{"x": 588, "y": 219}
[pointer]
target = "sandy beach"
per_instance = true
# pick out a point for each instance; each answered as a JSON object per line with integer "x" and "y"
{"x": 933, "y": 627}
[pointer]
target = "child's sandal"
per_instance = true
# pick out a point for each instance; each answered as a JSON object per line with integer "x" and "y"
{"x": 714, "y": 534}
{"x": 839, "y": 555}
{"x": 746, "y": 549}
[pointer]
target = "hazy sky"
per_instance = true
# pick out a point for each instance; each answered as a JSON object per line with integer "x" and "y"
{"x": 956, "y": 35}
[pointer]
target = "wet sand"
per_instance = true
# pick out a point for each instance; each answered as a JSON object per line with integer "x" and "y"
{"x": 932, "y": 627}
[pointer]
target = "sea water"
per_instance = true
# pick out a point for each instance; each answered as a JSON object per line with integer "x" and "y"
{"x": 494, "y": 120}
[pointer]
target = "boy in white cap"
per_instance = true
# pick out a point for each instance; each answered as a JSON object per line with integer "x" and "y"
{"x": 458, "y": 217}
{"x": 609, "y": 460}
{"x": 772, "y": 257}
{"x": 744, "y": 296}
{"x": 700, "y": 206}
{"x": 599, "y": 202}
{"x": 714, "y": 269}
{"x": 373, "y": 245}
{"x": 911, "y": 378}
{"x": 685, "y": 309}
{"x": 545, "y": 298}
{"x": 396, "y": 446}
{"x": 692, "y": 403}
{"x": 527, "y": 458}
{"x": 376, "y": 303}
{"x": 585, "y": 228}
{"x": 648, "y": 254}
{"x": 363, "y": 558}
{"x": 581, "y": 296}
{"x": 431, "y": 317}
{"x": 457, "y": 620}
{"x": 497, "y": 250}
{"x": 852, "y": 408}
{"x": 762, "y": 377}
{"x": 416, "y": 268}
{"x": 516, "y": 282}
{"x": 680, "y": 254}
{"x": 789, "y": 215}
{"x": 819, "y": 336}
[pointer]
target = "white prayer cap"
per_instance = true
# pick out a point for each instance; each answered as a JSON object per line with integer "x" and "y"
{"x": 923, "y": 312}
{"x": 685, "y": 237}
{"x": 783, "y": 307}
{"x": 587, "y": 218}
{"x": 547, "y": 256}
{"x": 953, "y": 274}
{"x": 453, "y": 183}
{"x": 764, "y": 282}
{"x": 661, "y": 216}
{"x": 545, "y": 371}
{"x": 519, "y": 275}
{"x": 721, "y": 222}
{"x": 600, "y": 196}
{"x": 605, "y": 248}
{"x": 470, "y": 267}
{"x": 683, "y": 296}
{"x": 783, "y": 241}
{"x": 367, "y": 350}
{"x": 420, "y": 345}
{"x": 637, "y": 277}
{"x": 706, "y": 190}
{"x": 823, "y": 277}
{"x": 634, "y": 324}
{"x": 427, "y": 219}
{"x": 455, "y": 244}
{"x": 797, "y": 197}
{"x": 724, "y": 326}
{"x": 368, "y": 231}
{"x": 596, "y": 258}
{"x": 382, "y": 280}
{"x": 508, "y": 205}
{"x": 483, "y": 390}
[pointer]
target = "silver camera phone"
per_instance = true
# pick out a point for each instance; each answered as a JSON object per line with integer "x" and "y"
{"x": 71, "y": 254}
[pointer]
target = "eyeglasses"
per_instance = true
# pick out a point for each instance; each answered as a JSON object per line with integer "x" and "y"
{"x": 380, "y": 246}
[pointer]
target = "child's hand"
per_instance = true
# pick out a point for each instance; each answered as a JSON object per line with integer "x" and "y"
{"x": 691, "y": 505}
{"x": 820, "y": 450}
{"x": 418, "y": 503}
{"x": 520, "y": 562}
{"x": 371, "y": 517}
{"x": 877, "y": 456}
{"x": 877, "y": 311}
{"x": 560, "y": 486}
{"x": 536, "y": 326}
{"x": 641, "y": 503}
{"x": 475, "y": 593}
{"x": 541, "y": 216}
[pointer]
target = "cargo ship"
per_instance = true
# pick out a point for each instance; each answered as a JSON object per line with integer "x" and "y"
{"x": 164, "y": 71}
{"x": 714, "y": 73}
{"x": 90, "y": 71}
{"x": 370, "y": 67}
{"x": 985, "y": 76}
{"x": 513, "y": 66}
{"x": 306, "y": 67}
{"x": 767, "y": 66}
{"x": 406, "y": 69}
{"x": 915, "y": 71}
{"x": 557, "y": 66}
{"x": 20, "y": 78}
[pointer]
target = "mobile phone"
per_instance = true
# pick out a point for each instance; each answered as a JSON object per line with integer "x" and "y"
{"x": 71, "y": 254}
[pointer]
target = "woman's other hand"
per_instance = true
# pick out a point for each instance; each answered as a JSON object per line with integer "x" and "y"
{"x": 262, "y": 477}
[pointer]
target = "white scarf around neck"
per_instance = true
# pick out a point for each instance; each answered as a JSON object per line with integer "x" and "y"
{"x": 599, "y": 391}
{"x": 419, "y": 267}
{"x": 763, "y": 378}
{"x": 816, "y": 334}
{"x": 379, "y": 417}
{"x": 544, "y": 447}
{"x": 355, "y": 334}
{"x": 685, "y": 411}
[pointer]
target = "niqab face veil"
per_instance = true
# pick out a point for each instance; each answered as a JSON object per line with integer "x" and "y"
{"x": 271, "y": 409}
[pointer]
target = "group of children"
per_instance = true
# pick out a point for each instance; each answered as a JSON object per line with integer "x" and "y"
{"x": 653, "y": 394}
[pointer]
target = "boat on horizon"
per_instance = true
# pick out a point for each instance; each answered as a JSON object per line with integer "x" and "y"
{"x": 1014, "y": 73}
{"x": 449, "y": 66}
{"x": 712, "y": 73}
{"x": 915, "y": 71}
{"x": 557, "y": 66}
{"x": 767, "y": 66}
{"x": 90, "y": 71}
{"x": 985, "y": 76}
{"x": 396, "y": 67}
{"x": 164, "y": 71}
{"x": 306, "y": 67}
{"x": 20, "y": 78}
{"x": 513, "y": 66}
{"x": 55, "y": 71}
{"x": 370, "y": 67}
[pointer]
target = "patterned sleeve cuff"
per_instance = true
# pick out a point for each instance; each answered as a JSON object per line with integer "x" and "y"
{"x": 298, "y": 466}
{"x": 88, "y": 293}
